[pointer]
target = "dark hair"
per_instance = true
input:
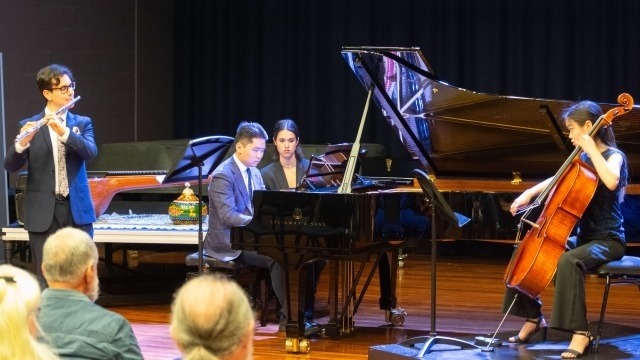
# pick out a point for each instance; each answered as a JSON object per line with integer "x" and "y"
{"x": 589, "y": 111}
{"x": 290, "y": 125}
{"x": 247, "y": 131}
{"x": 49, "y": 77}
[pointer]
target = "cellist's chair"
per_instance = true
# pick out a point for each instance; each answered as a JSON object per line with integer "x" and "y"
{"x": 623, "y": 271}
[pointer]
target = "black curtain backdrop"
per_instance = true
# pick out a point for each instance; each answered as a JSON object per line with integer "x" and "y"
{"x": 266, "y": 60}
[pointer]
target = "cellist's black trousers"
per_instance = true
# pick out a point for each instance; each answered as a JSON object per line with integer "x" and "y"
{"x": 569, "y": 310}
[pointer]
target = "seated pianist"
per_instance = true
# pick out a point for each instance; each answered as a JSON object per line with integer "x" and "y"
{"x": 230, "y": 205}
{"x": 319, "y": 224}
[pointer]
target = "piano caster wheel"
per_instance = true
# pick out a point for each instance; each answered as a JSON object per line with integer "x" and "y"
{"x": 300, "y": 345}
{"x": 401, "y": 258}
{"x": 396, "y": 316}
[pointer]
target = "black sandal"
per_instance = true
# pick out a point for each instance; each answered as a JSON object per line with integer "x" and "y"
{"x": 575, "y": 353}
{"x": 518, "y": 340}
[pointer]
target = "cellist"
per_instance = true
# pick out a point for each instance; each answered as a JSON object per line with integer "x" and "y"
{"x": 599, "y": 234}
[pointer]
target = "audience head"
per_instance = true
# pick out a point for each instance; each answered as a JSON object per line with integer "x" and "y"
{"x": 70, "y": 261}
{"x": 285, "y": 133}
{"x": 19, "y": 303}
{"x": 250, "y": 143}
{"x": 211, "y": 319}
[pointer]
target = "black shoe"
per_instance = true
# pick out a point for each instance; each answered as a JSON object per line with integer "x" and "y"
{"x": 311, "y": 328}
{"x": 516, "y": 339}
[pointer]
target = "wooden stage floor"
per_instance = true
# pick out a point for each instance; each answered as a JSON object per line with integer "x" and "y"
{"x": 469, "y": 295}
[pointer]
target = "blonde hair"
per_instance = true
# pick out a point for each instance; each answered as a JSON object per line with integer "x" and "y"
{"x": 211, "y": 318}
{"x": 66, "y": 255}
{"x": 19, "y": 303}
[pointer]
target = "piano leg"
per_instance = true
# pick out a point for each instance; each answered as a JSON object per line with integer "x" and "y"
{"x": 332, "y": 329}
{"x": 296, "y": 283}
{"x": 297, "y": 294}
{"x": 388, "y": 273}
{"x": 343, "y": 283}
{"x": 341, "y": 304}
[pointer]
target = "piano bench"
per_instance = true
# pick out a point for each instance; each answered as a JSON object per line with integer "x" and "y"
{"x": 244, "y": 274}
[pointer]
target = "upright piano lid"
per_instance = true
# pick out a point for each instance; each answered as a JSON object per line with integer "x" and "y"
{"x": 460, "y": 133}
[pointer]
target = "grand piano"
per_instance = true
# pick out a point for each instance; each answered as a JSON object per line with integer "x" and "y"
{"x": 479, "y": 149}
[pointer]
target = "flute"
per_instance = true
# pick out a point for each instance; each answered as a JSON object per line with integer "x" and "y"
{"x": 42, "y": 122}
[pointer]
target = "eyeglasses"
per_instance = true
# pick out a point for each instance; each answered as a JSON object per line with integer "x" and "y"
{"x": 64, "y": 89}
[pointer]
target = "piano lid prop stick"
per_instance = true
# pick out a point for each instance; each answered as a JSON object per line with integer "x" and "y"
{"x": 345, "y": 187}
{"x": 42, "y": 122}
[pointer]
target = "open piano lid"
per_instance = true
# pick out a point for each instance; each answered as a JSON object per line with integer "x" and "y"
{"x": 454, "y": 132}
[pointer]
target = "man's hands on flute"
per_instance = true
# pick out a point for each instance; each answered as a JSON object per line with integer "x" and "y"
{"x": 50, "y": 120}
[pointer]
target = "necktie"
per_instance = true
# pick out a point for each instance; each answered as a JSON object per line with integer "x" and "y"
{"x": 249, "y": 183}
{"x": 63, "y": 182}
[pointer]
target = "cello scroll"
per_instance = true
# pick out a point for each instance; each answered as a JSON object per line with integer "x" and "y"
{"x": 626, "y": 101}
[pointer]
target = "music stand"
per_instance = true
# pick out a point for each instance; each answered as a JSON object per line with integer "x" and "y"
{"x": 203, "y": 153}
{"x": 437, "y": 202}
{"x": 328, "y": 170}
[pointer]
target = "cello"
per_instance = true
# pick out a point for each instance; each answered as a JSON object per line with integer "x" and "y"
{"x": 535, "y": 257}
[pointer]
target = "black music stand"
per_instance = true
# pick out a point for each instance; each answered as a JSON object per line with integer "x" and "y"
{"x": 440, "y": 204}
{"x": 200, "y": 156}
{"x": 425, "y": 343}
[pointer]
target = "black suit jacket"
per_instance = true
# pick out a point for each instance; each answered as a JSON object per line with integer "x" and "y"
{"x": 274, "y": 178}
